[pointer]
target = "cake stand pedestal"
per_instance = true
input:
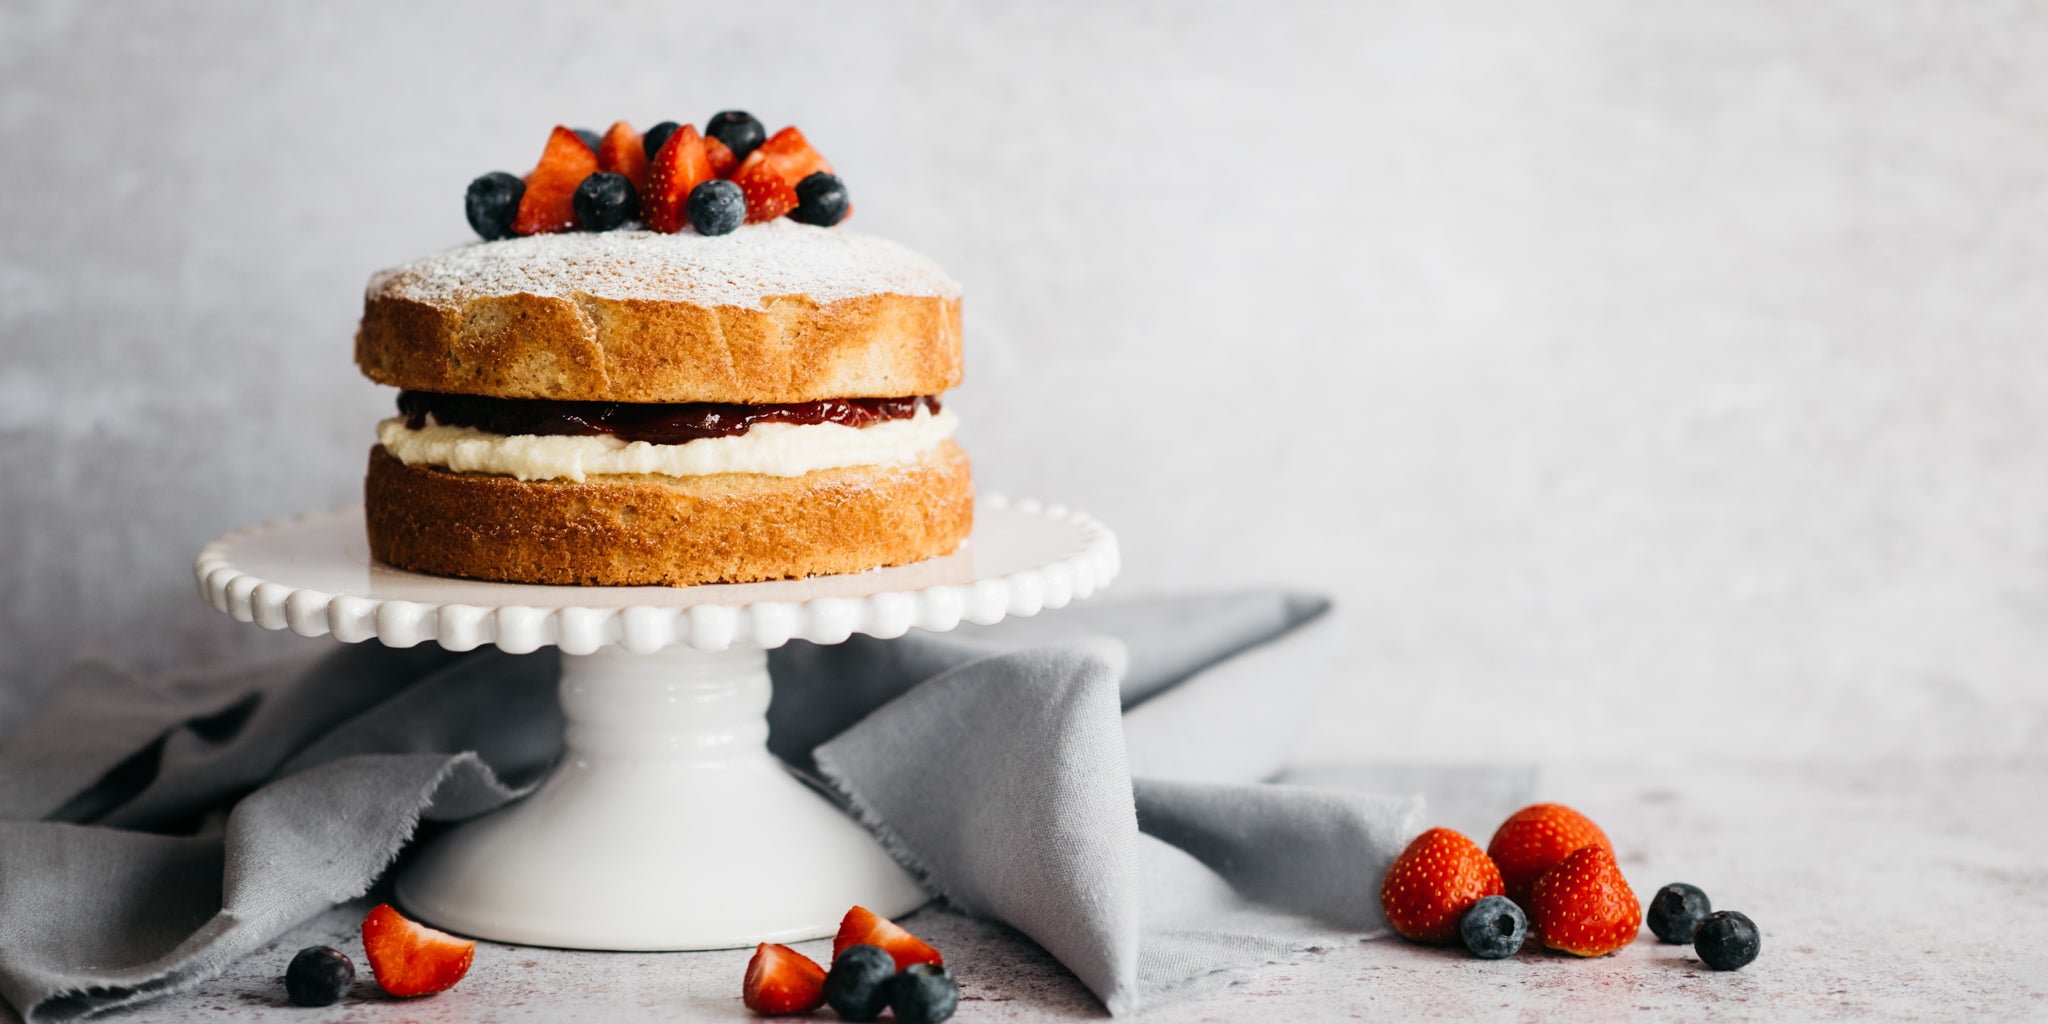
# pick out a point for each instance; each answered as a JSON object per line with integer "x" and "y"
{"x": 666, "y": 824}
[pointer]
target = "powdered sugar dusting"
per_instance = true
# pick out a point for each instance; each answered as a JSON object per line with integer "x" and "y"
{"x": 780, "y": 257}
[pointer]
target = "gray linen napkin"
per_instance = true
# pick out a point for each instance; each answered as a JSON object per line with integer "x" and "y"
{"x": 1092, "y": 777}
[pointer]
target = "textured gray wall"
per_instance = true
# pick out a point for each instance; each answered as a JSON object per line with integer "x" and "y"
{"x": 1644, "y": 379}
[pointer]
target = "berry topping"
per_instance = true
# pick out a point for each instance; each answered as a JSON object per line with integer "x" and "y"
{"x": 792, "y": 156}
{"x": 820, "y": 200}
{"x": 620, "y": 152}
{"x": 549, "y": 202}
{"x": 1583, "y": 905}
{"x": 492, "y": 202}
{"x": 739, "y": 130}
{"x": 777, "y": 175}
{"x": 768, "y": 196}
{"x": 716, "y": 207}
{"x": 857, "y": 986}
{"x": 1433, "y": 883}
{"x": 1677, "y": 910}
{"x": 924, "y": 994}
{"x": 723, "y": 163}
{"x": 863, "y": 927}
{"x": 319, "y": 976}
{"x": 650, "y": 143}
{"x": 1727, "y": 940}
{"x": 781, "y": 980}
{"x": 1494, "y": 928}
{"x": 1534, "y": 839}
{"x": 411, "y": 959}
{"x": 604, "y": 201}
{"x": 677, "y": 168}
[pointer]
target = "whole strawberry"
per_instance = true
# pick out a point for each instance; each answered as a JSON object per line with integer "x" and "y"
{"x": 1535, "y": 839}
{"x": 1433, "y": 882}
{"x": 1584, "y": 906}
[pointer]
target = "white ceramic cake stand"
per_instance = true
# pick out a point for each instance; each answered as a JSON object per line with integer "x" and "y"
{"x": 666, "y": 824}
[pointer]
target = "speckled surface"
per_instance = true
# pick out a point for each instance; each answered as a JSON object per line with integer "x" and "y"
{"x": 1901, "y": 893}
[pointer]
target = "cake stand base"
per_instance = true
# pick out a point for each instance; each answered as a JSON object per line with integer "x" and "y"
{"x": 666, "y": 825}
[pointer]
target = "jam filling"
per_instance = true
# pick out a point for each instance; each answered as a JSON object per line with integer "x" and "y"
{"x": 654, "y": 423}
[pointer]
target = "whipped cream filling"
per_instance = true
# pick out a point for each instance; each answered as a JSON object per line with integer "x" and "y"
{"x": 769, "y": 449}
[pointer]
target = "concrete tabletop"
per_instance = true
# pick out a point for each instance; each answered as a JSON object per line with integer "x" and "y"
{"x": 1894, "y": 893}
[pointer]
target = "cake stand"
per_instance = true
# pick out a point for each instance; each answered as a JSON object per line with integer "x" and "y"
{"x": 666, "y": 824}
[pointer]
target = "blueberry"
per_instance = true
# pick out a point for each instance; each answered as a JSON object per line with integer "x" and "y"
{"x": 590, "y": 138}
{"x": 716, "y": 207}
{"x": 493, "y": 203}
{"x": 1677, "y": 910}
{"x": 319, "y": 976}
{"x": 858, "y": 984}
{"x": 924, "y": 994}
{"x": 1494, "y": 928}
{"x": 1726, "y": 940}
{"x": 604, "y": 201}
{"x": 738, "y": 130}
{"x": 651, "y": 142}
{"x": 820, "y": 200}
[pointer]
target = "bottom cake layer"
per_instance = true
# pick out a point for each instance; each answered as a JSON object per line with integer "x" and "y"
{"x": 639, "y": 530}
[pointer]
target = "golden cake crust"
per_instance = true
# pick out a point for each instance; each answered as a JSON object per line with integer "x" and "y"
{"x": 639, "y": 530}
{"x": 794, "y": 349}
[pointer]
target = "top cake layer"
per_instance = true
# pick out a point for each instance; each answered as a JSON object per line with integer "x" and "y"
{"x": 772, "y": 313}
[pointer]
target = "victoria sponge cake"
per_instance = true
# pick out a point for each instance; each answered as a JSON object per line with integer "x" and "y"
{"x": 749, "y": 399}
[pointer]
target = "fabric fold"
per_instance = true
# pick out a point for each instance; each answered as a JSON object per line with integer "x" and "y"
{"x": 1023, "y": 813}
{"x": 1315, "y": 852}
{"x": 93, "y": 918}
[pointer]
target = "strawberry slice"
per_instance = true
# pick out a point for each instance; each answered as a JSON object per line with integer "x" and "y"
{"x": 621, "y": 151}
{"x": 548, "y": 204}
{"x": 1534, "y": 839}
{"x": 720, "y": 155}
{"x": 781, "y": 980}
{"x": 792, "y": 156}
{"x": 678, "y": 167}
{"x": 864, "y": 927}
{"x": 411, "y": 959}
{"x": 768, "y": 195}
{"x": 1433, "y": 882}
{"x": 1583, "y": 905}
